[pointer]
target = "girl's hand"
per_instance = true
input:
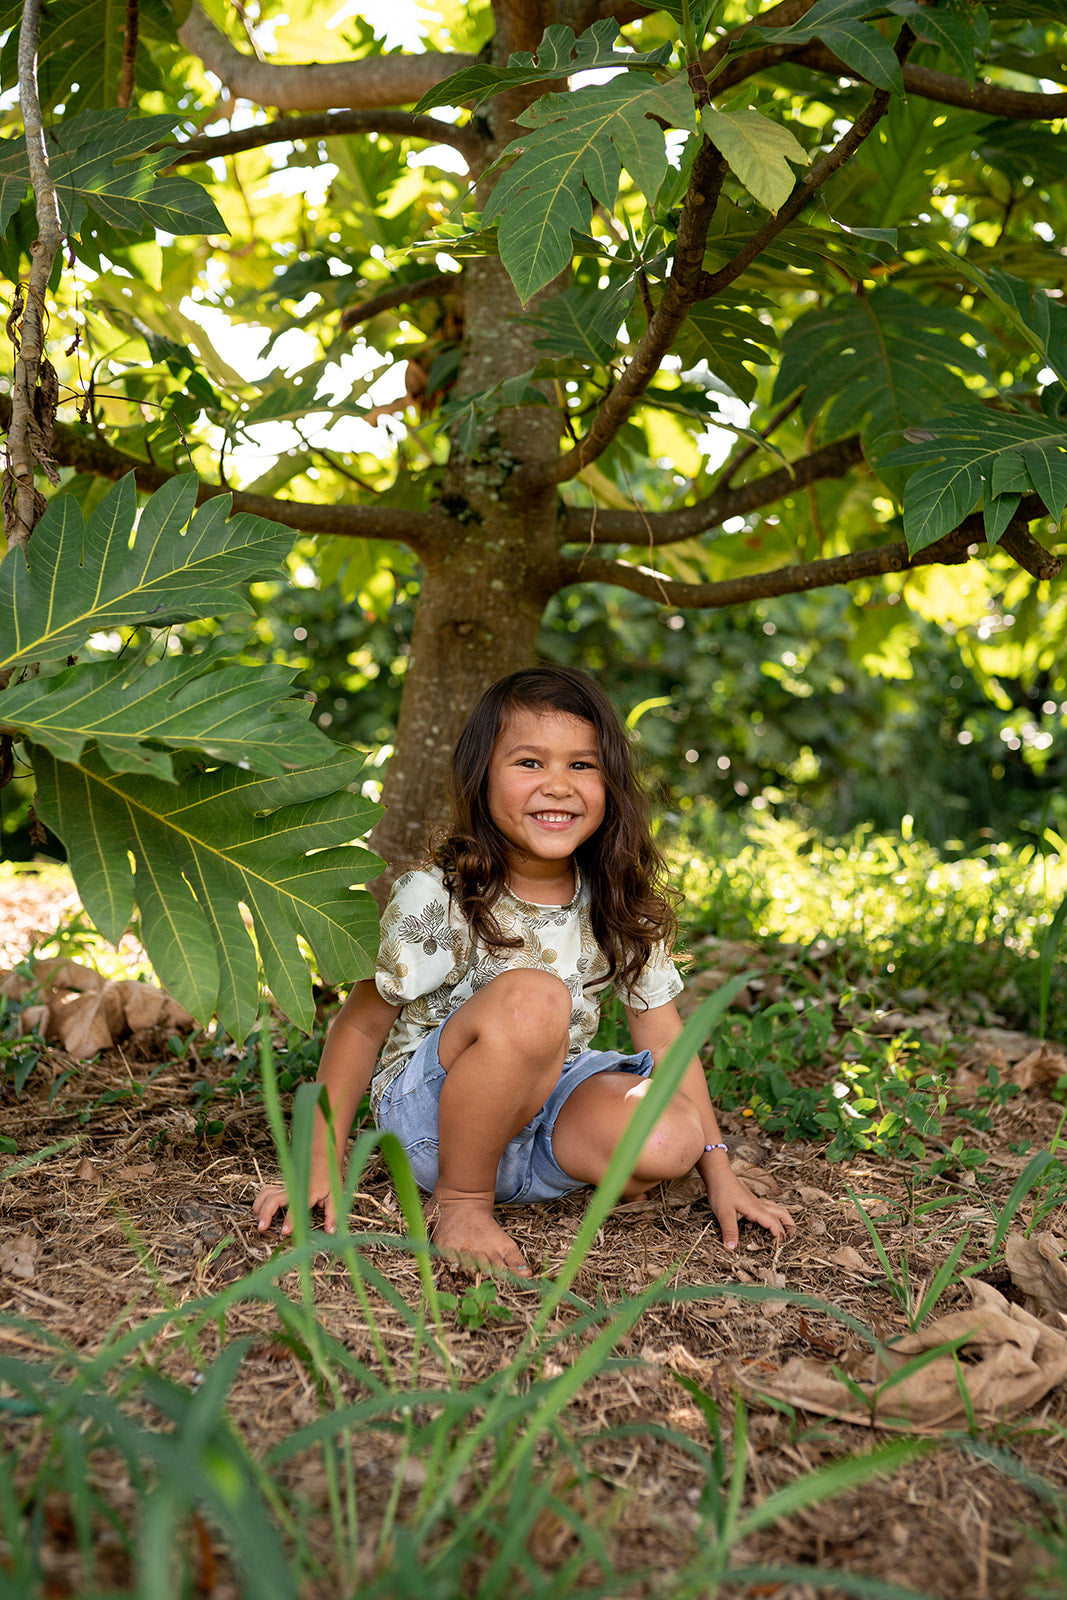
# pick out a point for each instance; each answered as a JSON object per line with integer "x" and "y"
{"x": 273, "y": 1198}
{"x": 730, "y": 1200}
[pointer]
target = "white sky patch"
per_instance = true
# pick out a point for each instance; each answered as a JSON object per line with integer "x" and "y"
{"x": 243, "y": 347}
{"x": 438, "y": 155}
{"x": 311, "y": 182}
{"x": 395, "y": 21}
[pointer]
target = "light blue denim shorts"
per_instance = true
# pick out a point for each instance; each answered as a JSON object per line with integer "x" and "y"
{"x": 528, "y": 1170}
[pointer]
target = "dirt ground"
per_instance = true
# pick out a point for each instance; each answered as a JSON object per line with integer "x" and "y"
{"x": 136, "y": 1204}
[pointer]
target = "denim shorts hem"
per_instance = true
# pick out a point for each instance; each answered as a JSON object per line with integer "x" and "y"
{"x": 528, "y": 1171}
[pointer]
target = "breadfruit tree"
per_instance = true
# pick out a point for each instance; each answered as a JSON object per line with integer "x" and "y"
{"x": 710, "y": 302}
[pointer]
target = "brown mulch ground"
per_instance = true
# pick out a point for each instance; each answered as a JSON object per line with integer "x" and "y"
{"x": 141, "y": 1204}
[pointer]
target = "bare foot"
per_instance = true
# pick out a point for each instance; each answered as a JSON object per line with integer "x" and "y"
{"x": 468, "y": 1233}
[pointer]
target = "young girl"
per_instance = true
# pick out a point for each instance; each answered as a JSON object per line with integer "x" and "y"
{"x": 546, "y": 892}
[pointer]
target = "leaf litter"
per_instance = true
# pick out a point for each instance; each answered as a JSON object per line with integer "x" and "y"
{"x": 139, "y": 1206}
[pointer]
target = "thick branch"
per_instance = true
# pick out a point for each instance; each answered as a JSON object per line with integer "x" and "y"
{"x": 581, "y": 525}
{"x": 127, "y": 76}
{"x": 809, "y": 184}
{"x": 955, "y": 548}
{"x": 402, "y": 294}
{"x": 702, "y": 196}
{"x": 371, "y": 82}
{"x": 326, "y": 125}
{"x": 29, "y": 427}
{"x": 989, "y": 98}
{"x": 422, "y": 531}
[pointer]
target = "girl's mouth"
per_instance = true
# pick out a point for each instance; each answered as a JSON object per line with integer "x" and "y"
{"x": 553, "y": 816}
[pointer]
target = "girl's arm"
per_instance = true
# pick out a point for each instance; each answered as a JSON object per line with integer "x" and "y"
{"x": 346, "y": 1068}
{"x": 655, "y": 1030}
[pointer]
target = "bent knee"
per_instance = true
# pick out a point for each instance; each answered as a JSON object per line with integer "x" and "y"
{"x": 674, "y": 1146}
{"x": 531, "y": 1003}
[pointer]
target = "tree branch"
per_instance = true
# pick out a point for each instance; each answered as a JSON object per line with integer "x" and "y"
{"x": 129, "y": 53}
{"x": 327, "y": 125}
{"x": 680, "y": 293}
{"x": 809, "y": 184}
{"x": 422, "y": 531}
{"x": 34, "y": 389}
{"x": 988, "y": 98}
{"x": 371, "y": 82}
{"x": 953, "y": 549}
{"x": 584, "y": 526}
{"x": 402, "y": 294}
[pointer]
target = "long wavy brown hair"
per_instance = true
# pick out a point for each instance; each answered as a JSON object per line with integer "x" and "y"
{"x": 631, "y": 908}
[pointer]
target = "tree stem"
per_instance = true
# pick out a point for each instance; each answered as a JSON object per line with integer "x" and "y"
{"x": 129, "y": 53}
{"x": 24, "y": 443}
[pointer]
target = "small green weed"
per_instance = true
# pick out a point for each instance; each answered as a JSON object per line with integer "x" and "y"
{"x": 478, "y": 1305}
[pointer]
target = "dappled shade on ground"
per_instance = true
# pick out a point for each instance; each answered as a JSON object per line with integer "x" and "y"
{"x": 139, "y": 1205}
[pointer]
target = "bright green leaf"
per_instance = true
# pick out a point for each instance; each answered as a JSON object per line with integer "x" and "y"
{"x": 757, "y": 150}
{"x": 573, "y": 155}
{"x": 79, "y": 578}
{"x": 233, "y": 713}
{"x": 209, "y": 844}
{"x": 559, "y": 55}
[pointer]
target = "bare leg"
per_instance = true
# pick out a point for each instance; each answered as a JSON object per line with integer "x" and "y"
{"x": 502, "y": 1052}
{"x": 595, "y": 1117}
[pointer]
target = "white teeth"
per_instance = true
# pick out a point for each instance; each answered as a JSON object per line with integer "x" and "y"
{"x": 553, "y": 816}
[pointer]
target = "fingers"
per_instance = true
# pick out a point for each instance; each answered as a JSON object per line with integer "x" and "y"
{"x": 268, "y": 1202}
{"x": 766, "y": 1213}
{"x": 727, "y": 1219}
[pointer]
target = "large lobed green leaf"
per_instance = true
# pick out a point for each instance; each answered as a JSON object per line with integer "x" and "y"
{"x": 559, "y": 55}
{"x": 878, "y": 362}
{"x": 843, "y": 27}
{"x": 573, "y": 155}
{"x": 100, "y": 162}
{"x": 80, "y": 578}
{"x": 232, "y": 712}
{"x": 79, "y": 61}
{"x": 980, "y": 455}
{"x": 190, "y": 854}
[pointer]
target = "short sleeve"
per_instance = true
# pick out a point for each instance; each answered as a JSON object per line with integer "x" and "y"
{"x": 658, "y": 983}
{"x": 416, "y": 954}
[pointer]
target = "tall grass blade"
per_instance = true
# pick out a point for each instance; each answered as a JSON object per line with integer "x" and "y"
{"x": 1026, "y": 1180}
{"x": 1047, "y": 961}
{"x": 664, "y": 1083}
{"x": 827, "y": 1482}
{"x": 941, "y": 1280}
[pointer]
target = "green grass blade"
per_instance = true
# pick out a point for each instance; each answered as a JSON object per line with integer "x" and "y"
{"x": 664, "y": 1083}
{"x": 828, "y": 1482}
{"x": 942, "y": 1278}
{"x": 1049, "y": 946}
{"x": 1023, "y": 1184}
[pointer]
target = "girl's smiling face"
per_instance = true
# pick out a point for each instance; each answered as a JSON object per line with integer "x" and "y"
{"x": 546, "y": 786}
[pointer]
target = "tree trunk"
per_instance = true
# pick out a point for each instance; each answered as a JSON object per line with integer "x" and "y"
{"x": 484, "y": 593}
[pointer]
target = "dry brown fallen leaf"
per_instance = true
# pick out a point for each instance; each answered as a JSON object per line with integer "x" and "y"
{"x": 86, "y": 1172}
{"x": 1042, "y": 1068}
{"x": 1008, "y": 1361}
{"x": 18, "y": 1256}
{"x": 758, "y": 1179}
{"x": 850, "y": 1259}
{"x": 96, "y": 1017}
{"x": 1038, "y": 1269}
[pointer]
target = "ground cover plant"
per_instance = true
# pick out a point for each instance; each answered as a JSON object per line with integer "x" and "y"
{"x": 698, "y": 303}
{"x": 188, "y": 1410}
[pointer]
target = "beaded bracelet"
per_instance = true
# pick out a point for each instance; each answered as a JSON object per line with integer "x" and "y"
{"x": 708, "y": 1147}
